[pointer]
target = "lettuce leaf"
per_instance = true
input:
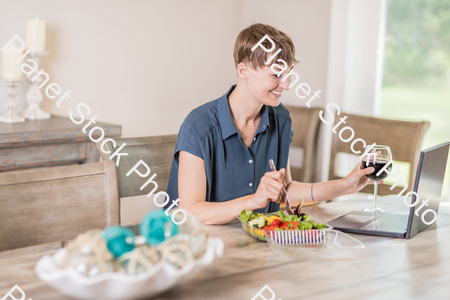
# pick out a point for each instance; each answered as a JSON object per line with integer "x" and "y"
{"x": 285, "y": 218}
{"x": 245, "y": 215}
{"x": 281, "y": 214}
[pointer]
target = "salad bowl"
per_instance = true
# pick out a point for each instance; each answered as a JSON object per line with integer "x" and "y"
{"x": 307, "y": 231}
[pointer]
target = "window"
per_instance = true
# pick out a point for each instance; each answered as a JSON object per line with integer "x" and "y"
{"x": 416, "y": 69}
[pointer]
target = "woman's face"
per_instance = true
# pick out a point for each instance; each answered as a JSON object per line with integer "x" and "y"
{"x": 264, "y": 85}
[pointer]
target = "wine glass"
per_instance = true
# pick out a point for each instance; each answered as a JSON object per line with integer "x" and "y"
{"x": 377, "y": 157}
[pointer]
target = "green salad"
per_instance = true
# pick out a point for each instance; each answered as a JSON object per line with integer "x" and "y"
{"x": 280, "y": 221}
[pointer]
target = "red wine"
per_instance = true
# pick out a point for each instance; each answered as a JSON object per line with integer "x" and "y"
{"x": 378, "y": 165}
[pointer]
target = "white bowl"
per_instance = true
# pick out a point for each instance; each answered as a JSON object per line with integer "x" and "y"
{"x": 115, "y": 285}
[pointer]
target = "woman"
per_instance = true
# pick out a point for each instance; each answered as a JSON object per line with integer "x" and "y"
{"x": 221, "y": 160}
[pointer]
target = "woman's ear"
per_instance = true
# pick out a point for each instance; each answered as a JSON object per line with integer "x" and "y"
{"x": 242, "y": 70}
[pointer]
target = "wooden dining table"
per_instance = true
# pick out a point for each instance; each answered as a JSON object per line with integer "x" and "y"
{"x": 387, "y": 268}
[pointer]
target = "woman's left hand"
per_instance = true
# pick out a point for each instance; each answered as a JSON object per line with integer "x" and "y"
{"x": 357, "y": 179}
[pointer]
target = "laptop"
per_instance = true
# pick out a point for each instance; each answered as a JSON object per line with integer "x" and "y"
{"x": 428, "y": 185}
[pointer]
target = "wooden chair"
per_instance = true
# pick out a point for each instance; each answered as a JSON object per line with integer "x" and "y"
{"x": 155, "y": 151}
{"x": 305, "y": 122}
{"x": 403, "y": 137}
{"x": 56, "y": 204}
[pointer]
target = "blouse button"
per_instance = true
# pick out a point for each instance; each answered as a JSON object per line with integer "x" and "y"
{"x": 254, "y": 139}
{"x": 250, "y": 184}
{"x": 250, "y": 161}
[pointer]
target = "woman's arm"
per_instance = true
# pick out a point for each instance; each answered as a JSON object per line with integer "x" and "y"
{"x": 192, "y": 192}
{"x": 323, "y": 191}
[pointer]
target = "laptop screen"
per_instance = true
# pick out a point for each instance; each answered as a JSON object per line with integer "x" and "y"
{"x": 428, "y": 185}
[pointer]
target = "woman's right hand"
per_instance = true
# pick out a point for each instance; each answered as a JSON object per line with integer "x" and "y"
{"x": 270, "y": 188}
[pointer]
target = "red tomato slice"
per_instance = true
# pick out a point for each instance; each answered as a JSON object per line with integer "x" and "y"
{"x": 277, "y": 222}
{"x": 285, "y": 225}
{"x": 270, "y": 227}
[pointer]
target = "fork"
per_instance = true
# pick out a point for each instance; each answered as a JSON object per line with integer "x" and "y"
{"x": 288, "y": 204}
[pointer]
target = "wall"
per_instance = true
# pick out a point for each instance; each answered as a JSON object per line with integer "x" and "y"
{"x": 130, "y": 61}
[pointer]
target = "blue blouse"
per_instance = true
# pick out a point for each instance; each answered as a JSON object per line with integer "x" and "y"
{"x": 232, "y": 169}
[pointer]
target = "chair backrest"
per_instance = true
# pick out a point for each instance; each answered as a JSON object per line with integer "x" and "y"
{"x": 305, "y": 122}
{"x": 56, "y": 204}
{"x": 403, "y": 137}
{"x": 155, "y": 151}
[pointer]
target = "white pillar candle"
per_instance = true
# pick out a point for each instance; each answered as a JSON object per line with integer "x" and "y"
{"x": 10, "y": 69}
{"x": 35, "y": 37}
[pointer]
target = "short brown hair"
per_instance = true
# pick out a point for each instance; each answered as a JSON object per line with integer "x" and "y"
{"x": 251, "y": 35}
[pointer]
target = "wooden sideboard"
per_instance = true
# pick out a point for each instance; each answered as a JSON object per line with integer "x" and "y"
{"x": 54, "y": 142}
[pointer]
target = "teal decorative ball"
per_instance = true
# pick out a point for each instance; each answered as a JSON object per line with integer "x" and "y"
{"x": 157, "y": 227}
{"x": 119, "y": 240}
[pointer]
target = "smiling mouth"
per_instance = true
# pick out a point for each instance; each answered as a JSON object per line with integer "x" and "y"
{"x": 276, "y": 94}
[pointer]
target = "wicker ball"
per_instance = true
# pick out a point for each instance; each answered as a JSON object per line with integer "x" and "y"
{"x": 137, "y": 261}
{"x": 119, "y": 240}
{"x": 88, "y": 254}
{"x": 156, "y": 227}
